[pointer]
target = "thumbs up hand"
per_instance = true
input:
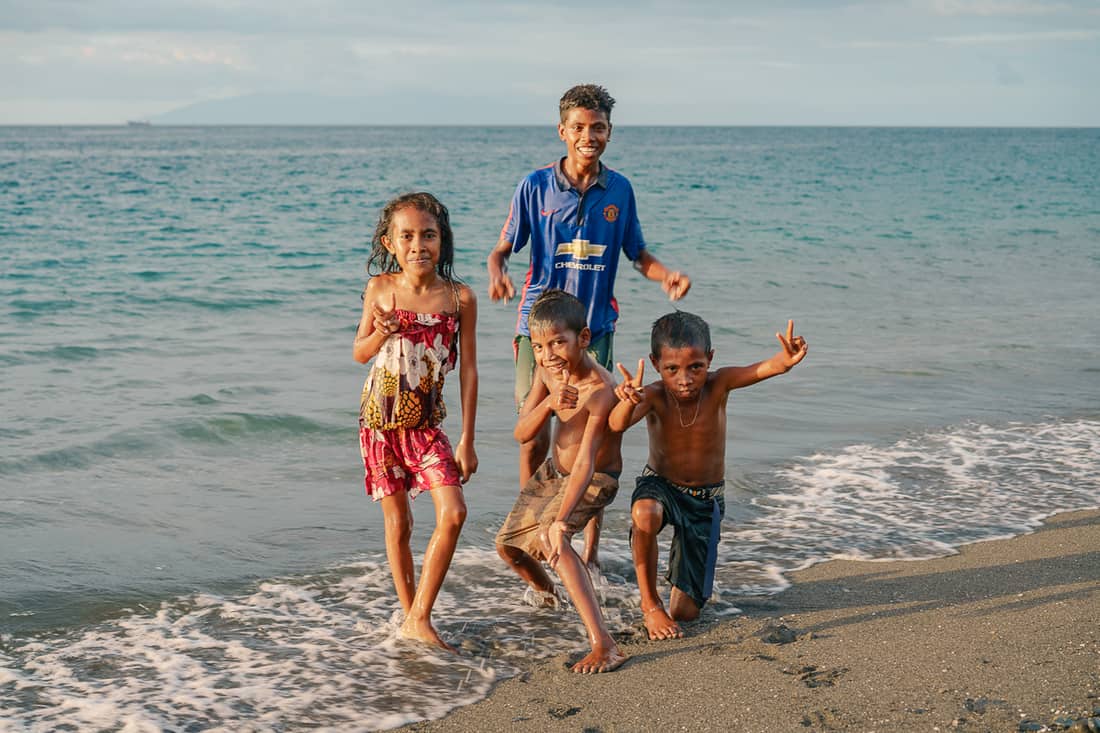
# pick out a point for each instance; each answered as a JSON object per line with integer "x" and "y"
{"x": 563, "y": 395}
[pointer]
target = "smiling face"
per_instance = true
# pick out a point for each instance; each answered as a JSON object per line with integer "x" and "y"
{"x": 683, "y": 370}
{"x": 585, "y": 133}
{"x": 558, "y": 348}
{"x": 414, "y": 240}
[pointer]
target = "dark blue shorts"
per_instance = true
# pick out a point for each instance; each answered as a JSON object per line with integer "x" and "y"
{"x": 695, "y": 514}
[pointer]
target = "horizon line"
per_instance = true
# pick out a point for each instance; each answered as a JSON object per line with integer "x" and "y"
{"x": 143, "y": 125}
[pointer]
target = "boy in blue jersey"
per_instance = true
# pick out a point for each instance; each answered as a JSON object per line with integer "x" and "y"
{"x": 578, "y": 215}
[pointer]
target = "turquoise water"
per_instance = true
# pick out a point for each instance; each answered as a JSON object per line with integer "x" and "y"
{"x": 184, "y": 539}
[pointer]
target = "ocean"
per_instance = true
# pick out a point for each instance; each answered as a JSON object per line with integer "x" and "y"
{"x": 185, "y": 543}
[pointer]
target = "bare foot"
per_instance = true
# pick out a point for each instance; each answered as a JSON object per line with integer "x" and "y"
{"x": 660, "y": 625}
{"x": 423, "y": 631}
{"x": 542, "y": 599}
{"x": 600, "y": 660}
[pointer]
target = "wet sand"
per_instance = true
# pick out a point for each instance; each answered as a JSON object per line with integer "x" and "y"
{"x": 1003, "y": 636}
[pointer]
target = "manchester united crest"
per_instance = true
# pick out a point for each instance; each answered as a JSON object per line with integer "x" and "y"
{"x": 611, "y": 213}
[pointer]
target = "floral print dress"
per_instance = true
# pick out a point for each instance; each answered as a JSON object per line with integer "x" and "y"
{"x": 405, "y": 386}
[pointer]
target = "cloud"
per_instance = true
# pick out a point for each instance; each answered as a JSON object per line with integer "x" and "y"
{"x": 980, "y": 39}
{"x": 873, "y": 44}
{"x": 329, "y": 17}
{"x": 993, "y": 8}
{"x": 152, "y": 49}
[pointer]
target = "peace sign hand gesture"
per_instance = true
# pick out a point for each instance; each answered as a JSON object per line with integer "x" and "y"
{"x": 385, "y": 319}
{"x": 794, "y": 347}
{"x": 631, "y": 386}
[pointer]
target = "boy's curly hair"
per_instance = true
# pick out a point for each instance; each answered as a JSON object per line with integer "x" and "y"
{"x": 586, "y": 96}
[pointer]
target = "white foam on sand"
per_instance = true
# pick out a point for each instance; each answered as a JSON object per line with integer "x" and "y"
{"x": 917, "y": 498}
{"x": 319, "y": 652}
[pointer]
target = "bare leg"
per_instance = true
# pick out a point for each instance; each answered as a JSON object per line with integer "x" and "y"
{"x": 605, "y": 655}
{"x": 398, "y": 522}
{"x": 450, "y": 514}
{"x": 682, "y": 606}
{"x": 592, "y": 542}
{"x": 526, "y": 567}
{"x": 646, "y": 516}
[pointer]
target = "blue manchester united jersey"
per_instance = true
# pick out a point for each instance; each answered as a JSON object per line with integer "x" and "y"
{"x": 575, "y": 240}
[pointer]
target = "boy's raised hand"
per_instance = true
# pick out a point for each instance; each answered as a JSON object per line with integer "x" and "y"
{"x": 794, "y": 347}
{"x": 385, "y": 319}
{"x": 631, "y": 386}
{"x": 563, "y": 395}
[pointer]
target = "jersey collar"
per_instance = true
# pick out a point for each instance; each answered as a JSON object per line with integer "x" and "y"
{"x": 565, "y": 185}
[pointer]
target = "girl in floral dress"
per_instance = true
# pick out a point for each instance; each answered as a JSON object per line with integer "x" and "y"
{"x": 418, "y": 319}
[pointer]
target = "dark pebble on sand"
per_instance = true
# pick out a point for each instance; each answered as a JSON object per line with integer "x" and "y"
{"x": 563, "y": 713}
{"x": 777, "y": 634}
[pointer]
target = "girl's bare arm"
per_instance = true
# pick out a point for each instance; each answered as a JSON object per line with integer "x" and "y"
{"x": 465, "y": 455}
{"x": 368, "y": 339}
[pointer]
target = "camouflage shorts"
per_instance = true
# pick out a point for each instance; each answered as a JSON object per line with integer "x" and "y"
{"x": 538, "y": 505}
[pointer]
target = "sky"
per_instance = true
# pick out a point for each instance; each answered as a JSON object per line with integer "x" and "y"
{"x": 682, "y": 62}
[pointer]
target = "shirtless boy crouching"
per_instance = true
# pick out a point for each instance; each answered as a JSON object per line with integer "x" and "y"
{"x": 682, "y": 483}
{"x": 580, "y": 477}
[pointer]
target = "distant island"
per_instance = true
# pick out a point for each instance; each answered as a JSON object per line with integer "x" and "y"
{"x": 394, "y": 109}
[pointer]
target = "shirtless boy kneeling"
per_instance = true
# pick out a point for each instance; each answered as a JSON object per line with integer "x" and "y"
{"x": 580, "y": 477}
{"x": 682, "y": 483}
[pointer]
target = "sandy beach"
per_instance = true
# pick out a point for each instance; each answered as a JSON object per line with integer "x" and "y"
{"x": 1004, "y": 636}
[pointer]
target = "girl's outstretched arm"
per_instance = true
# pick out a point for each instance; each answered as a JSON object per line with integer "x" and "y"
{"x": 465, "y": 455}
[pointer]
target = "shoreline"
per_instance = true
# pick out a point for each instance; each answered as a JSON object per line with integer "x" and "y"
{"x": 1002, "y": 636}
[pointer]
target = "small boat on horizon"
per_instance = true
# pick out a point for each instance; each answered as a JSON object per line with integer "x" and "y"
{"x": 138, "y": 123}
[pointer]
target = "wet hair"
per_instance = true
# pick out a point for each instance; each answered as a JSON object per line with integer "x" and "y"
{"x": 381, "y": 258}
{"x": 586, "y": 96}
{"x": 679, "y": 330}
{"x": 558, "y": 308}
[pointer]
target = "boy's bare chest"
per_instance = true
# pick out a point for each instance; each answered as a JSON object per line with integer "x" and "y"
{"x": 701, "y": 421}
{"x": 572, "y": 417}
